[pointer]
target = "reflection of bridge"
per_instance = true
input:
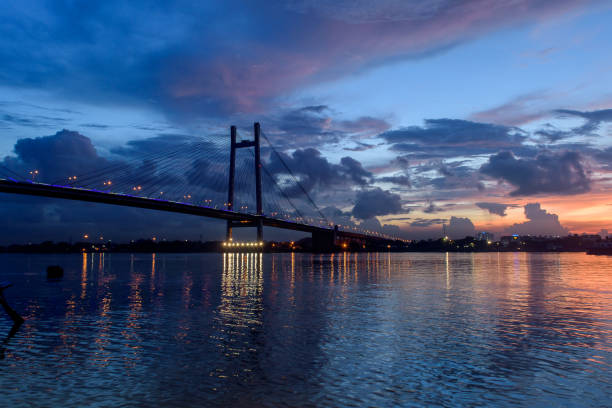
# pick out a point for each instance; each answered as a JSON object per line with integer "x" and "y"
{"x": 98, "y": 187}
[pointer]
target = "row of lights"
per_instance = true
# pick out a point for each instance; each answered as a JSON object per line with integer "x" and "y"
{"x": 243, "y": 244}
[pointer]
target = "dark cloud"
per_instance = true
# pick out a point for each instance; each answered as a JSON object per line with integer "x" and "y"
{"x": 360, "y": 147}
{"x": 455, "y": 178}
{"x": 495, "y": 208}
{"x": 459, "y": 227}
{"x": 540, "y": 222}
{"x": 56, "y": 157}
{"x": 548, "y": 172}
{"x": 355, "y": 171}
{"x": 94, "y": 125}
{"x": 167, "y": 142}
{"x": 427, "y": 222}
{"x": 453, "y": 137}
{"x": 316, "y": 172}
{"x": 398, "y": 218}
{"x": 373, "y": 202}
{"x": 400, "y": 166}
{"x": 592, "y": 119}
{"x": 552, "y": 133}
{"x": 372, "y": 224}
{"x": 314, "y": 126}
{"x": 604, "y": 156}
{"x": 432, "y": 208}
{"x": 398, "y": 180}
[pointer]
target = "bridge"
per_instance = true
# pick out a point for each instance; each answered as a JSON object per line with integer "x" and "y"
{"x": 119, "y": 184}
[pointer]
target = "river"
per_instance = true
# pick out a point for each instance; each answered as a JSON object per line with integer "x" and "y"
{"x": 380, "y": 329}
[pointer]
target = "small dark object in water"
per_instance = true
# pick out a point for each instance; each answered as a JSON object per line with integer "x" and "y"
{"x": 54, "y": 272}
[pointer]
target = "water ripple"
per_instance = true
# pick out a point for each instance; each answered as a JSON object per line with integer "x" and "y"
{"x": 309, "y": 330}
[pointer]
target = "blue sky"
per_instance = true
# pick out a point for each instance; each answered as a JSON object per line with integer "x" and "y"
{"x": 373, "y": 82}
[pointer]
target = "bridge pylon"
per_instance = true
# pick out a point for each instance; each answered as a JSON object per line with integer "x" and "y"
{"x": 232, "y": 174}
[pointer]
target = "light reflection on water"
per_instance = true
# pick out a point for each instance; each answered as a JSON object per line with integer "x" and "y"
{"x": 373, "y": 329}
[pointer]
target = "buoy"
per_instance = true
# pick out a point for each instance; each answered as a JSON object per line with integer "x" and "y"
{"x": 54, "y": 272}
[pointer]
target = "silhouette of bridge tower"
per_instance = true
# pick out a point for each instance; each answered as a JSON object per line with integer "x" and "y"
{"x": 258, "y": 223}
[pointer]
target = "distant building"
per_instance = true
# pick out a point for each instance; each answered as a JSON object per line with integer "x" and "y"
{"x": 603, "y": 233}
{"x": 484, "y": 236}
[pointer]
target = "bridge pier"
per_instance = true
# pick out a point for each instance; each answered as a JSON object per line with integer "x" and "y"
{"x": 325, "y": 240}
{"x": 232, "y": 174}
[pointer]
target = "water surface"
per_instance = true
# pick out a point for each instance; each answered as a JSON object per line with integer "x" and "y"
{"x": 309, "y": 330}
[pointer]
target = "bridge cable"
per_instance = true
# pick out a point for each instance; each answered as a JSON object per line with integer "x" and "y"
{"x": 294, "y": 178}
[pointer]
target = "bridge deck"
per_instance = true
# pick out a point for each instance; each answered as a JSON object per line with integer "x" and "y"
{"x": 94, "y": 196}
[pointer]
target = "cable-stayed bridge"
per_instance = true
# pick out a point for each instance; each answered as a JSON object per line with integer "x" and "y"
{"x": 193, "y": 177}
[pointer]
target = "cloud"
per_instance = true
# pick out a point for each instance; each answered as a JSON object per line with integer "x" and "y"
{"x": 552, "y": 133}
{"x": 56, "y": 157}
{"x": 432, "y": 208}
{"x": 427, "y": 222}
{"x": 495, "y": 208}
{"x": 604, "y": 156}
{"x": 315, "y": 125}
{"x": 518, "y": 111}
{"x": 547, "y": 173}
{"x": 316, "y": 172}
{"x": 540, "y": 222}
{"x": 372, "y": 224}
{"x": 232, "y": 64}
{"x": 401, "y": 180}
{"x": 455, "y": 176}
{"x": 441, "y": 138}
{"x": 373, "y": 202}
{"x": 459, "y": 227}
{"x": 359, "y": 147}
{"x": 593, "y": 119}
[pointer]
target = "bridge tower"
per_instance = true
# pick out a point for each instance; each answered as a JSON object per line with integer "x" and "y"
{"x": 232, "y": 173}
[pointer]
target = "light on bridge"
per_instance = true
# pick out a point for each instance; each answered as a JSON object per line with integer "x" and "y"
{"x": 243, "y": 245}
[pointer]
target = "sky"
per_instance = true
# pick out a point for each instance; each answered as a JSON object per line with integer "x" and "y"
{"x": 414, "y": 118}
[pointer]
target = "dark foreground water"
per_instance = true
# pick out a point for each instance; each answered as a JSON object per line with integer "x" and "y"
{"x": 309, "y": 330}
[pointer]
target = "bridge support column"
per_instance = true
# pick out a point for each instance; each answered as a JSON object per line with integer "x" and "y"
{"x": 324, "y": 241}
{"x": 232, "y": 175}
{"x": 258, "y": 196}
